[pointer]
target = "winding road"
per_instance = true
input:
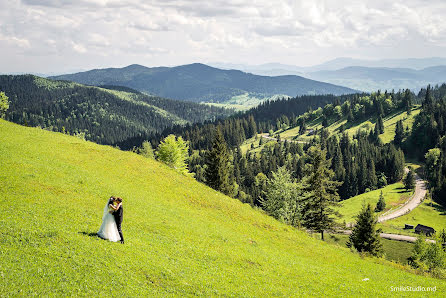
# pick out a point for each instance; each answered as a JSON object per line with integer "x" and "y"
{"x": 412, "y": 203}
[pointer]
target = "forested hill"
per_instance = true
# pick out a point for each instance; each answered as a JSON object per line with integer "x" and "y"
{"x": 202, "y": 83}
{"x": 105, "y": 116}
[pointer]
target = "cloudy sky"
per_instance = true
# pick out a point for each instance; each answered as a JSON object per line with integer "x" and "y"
{"x": 66, "y": 35}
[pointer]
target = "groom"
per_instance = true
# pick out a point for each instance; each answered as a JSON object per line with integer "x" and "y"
{"x": 118, "y": 215}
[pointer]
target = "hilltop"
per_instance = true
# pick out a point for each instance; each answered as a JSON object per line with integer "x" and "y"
{"x": 182, "y": 238}
{"x": 201, "y": 83}
{"x": 108, "y": 115}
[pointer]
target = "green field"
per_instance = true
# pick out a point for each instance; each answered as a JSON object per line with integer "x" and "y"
{"x": 428, "y": 213}
{"x": 394, "y": 195}
{"x": 182, "y": 238}
{"x": 397, "y": 251}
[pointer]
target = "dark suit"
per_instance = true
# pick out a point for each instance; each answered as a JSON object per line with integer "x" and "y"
{"x": 118, "y": 215}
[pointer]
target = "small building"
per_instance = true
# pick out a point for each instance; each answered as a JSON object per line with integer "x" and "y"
{"x": 310, "y": 132}
{"x": 408, "y": 227}
{"x": 428, "y": 231}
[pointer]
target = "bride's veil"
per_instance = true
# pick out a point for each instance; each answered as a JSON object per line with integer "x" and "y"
{"x": 105, "y": 209}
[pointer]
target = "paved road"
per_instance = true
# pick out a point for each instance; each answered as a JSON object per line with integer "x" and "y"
{"x": 391, "y": 236}
{"x": 412, "y": 203}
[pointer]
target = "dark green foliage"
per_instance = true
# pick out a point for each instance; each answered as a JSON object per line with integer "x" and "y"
{"x": 380, "y": 125}
{"x": 381, "y": 204}
{"x": 427, "y": 139}
{"x": 198, "y": 82}
{"x": 318, "y": 206}
{"x": 409, "y": 180}
{"x": 399, "y": 134}
{"x": 102, "y": 115}
{"x": 218, "y": 170}
{"x": 364, "y": 236}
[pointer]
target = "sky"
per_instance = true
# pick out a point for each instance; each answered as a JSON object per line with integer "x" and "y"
{"x": 57, "y": 36}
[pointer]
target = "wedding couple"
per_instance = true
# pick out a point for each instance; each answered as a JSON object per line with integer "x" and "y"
{"x": 112, "y": 220}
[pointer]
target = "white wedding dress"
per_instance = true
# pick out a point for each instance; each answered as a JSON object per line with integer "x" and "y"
{"x": 108, "y": 229}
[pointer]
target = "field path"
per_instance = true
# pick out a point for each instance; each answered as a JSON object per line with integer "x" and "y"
{"x": 412, "y": 203}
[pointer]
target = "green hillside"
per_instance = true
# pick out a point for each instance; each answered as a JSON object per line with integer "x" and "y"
{"x": 367, "y": 124}
{"x": 182, "y": 238}
{"x": 105, "y": 115}
{"x": 394, "y": 195}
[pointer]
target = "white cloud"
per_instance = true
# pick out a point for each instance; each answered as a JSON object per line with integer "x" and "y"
{"x": 103, "y": 33}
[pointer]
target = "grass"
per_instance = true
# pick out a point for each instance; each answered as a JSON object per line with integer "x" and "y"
{"x": 182, "y": 238}
{"x": 394, "y": 195}
{"x": 389, "y": 126}
{"x": 397, "y": 251}
{"x": 428, "y": 213}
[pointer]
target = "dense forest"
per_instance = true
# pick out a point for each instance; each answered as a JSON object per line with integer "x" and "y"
{"x": 361, "y": 162}
{"x": 427, "y": 140}
{"x": 105, "y": 116}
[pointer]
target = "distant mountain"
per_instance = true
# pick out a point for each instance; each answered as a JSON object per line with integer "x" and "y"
{"x": 371, "y": 79}
{"x": 108, "y": 115}
{"x": 335, "y": 64}
{"x": 414, "y": 63}
{"x": 201, "y": 83}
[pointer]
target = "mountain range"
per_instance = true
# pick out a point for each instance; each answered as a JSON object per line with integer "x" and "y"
{"x": 202, "y": 83}
{"x": 373, "y": 78}
{"x": 360, "y": 74}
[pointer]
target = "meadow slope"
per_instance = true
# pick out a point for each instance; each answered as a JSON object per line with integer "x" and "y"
{"x": 182, "y": 238}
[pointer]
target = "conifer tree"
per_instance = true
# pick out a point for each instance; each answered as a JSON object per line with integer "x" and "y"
{"x": 381, "y": 205}
{"x": 322, "y": 196}
{"x": 399, "y": 134}
{"x": 218, "y": 166}
{"x": 380, "y": 125}
{"x": 409, "y": 181}
{"x": 365, "y": 237}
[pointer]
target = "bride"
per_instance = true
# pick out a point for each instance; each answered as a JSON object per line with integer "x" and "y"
{"x": 108, "y": 229}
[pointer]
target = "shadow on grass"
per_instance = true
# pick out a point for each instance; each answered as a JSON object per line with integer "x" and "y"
{"x": 438, "y": 208}
{"x": 90, "y": 234}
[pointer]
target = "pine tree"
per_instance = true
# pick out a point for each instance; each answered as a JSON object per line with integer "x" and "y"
{"x": 218, "y": 166}
{"x": 399, "y": 134}
{"x": 409, "y": 181}
{"x": 381, "y": 205}
{"x": 303, "y": 127}
{"x": 322, "y": 196}
{"x": 380, "y": 125}
{"x": 365, "y": 237}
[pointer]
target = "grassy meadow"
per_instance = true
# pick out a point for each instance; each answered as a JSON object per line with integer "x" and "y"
{"x": 397, "y": 251}
{"x": 394, "y": 195}
{"x": 182, "y": 238}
